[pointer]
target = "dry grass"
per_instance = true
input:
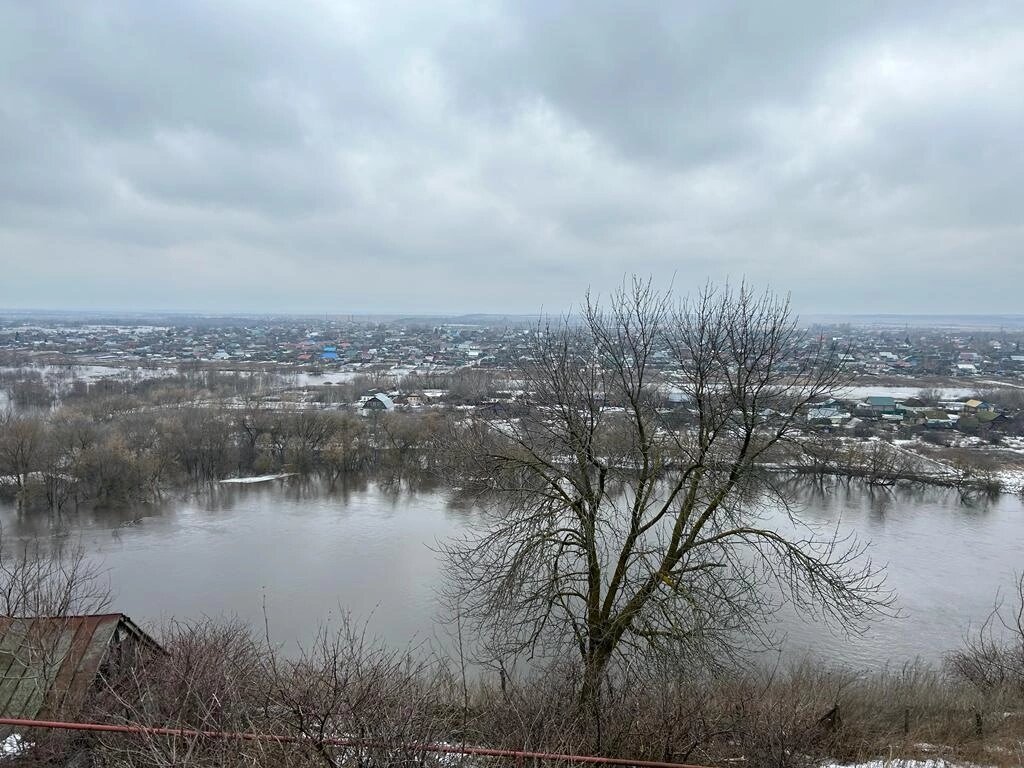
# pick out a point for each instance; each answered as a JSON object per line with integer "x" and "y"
{"x": 222, "y": 677}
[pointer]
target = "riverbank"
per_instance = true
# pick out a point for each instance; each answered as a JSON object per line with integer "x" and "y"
{"x": 802, "y": 715}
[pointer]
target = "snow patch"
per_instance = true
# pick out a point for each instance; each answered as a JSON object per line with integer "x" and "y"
{"x": 257, "y": 478}
{"x": 1012, "y": 480}
{"x": 13, "y": 746}
{"x": 898, "y": 762}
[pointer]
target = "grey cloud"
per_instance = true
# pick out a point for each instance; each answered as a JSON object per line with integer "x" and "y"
{"x": 503, "y": 156}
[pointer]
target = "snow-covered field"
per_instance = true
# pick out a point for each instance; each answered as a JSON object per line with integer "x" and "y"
{"x": 303, "y": 379}
{"x": 93, "y": 373}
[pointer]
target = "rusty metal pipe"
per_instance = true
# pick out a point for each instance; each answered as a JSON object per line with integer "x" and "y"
{"x": 337, "y": 742}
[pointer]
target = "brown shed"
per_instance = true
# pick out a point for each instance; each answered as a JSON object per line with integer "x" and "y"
{"x": 49, "y": 666}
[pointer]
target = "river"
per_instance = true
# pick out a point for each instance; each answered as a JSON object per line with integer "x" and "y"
{"x": 306, "y": 555}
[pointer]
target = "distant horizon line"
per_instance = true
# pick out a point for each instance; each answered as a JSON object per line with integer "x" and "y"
{"x": 440, "y": 314}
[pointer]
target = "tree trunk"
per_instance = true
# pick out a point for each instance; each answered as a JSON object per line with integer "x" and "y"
{"x": 595, "y": 662}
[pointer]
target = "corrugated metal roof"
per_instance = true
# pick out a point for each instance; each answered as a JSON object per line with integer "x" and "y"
{"x": 49, "y": 665}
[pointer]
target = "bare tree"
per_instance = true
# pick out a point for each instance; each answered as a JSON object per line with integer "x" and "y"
{"x": 215, "y": 676}
{"x": 993, "y": 657}
{"x": 347, "y": 451}
{"x": 253, "y": 422}
{"x": 218, "y": 676}
{"x": 876, "y": 462}
{"x": 22, "y": 442}
{"x": 608, "y": 531}
{"x": 36, "y": 580}
{"x": 309, "y": 433}
{"x": 202, "y": 442}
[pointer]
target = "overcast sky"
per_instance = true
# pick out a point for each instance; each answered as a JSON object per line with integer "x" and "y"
{"x": 502, "y": 157}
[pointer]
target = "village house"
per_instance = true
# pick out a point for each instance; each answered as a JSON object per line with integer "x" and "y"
{"x": 978, "y": 406}
{"x": 830, "y": 415}
{"x": 877, "y": 406}
{"x": 377, "y": 402}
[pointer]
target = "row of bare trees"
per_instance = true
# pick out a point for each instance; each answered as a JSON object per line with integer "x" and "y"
{"x": 68, "y": 457}
{"x": 882, "y": 464}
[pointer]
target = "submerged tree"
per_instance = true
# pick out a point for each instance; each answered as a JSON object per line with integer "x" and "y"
{"x": 613, "y": 530}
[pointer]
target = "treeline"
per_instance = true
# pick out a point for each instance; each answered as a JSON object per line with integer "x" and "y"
{"x": 462, "y": 387}
{"x": 114, "y": 454}
{"x": 115, "y": 450}
{"x": 131, "y": 437}
{"x": 880, "y": 463}
{"x": 32, "y": 387}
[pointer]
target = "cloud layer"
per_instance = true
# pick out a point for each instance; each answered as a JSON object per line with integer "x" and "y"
{"x": 502, "y": 157}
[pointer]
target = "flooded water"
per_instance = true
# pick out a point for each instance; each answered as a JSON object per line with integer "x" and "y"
{"x": 306, "y": 554}
{"x": 945, "y": 560}
{"x": 92, "y": 373}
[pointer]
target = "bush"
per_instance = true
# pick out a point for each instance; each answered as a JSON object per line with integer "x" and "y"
{"x": 993, "y": 658}
{"x": 218, "y": 675}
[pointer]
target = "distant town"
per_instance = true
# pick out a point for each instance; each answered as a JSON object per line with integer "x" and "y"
{"x": 425, "y": 345}
{"x": 956, "y": 386}
{"x": 129, "y": 415}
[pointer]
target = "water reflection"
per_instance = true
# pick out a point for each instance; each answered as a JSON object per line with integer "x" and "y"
{"x": 310, "y": 548}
